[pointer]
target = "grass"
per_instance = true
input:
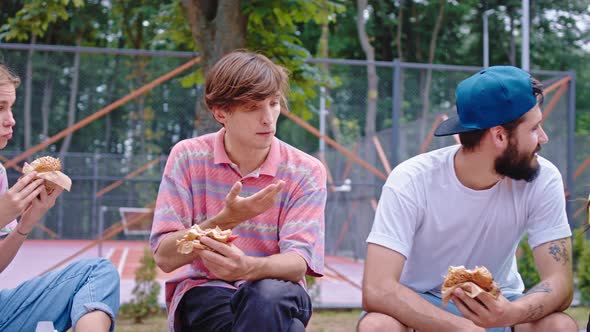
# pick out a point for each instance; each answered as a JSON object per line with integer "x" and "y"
{"x": 321, "y": 321}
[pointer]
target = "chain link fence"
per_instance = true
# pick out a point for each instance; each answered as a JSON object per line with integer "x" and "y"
{"x": 145, "y": 129}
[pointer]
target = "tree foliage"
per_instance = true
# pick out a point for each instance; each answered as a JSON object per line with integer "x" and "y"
{"x": 288, "y": 32}
{"x": 145, "y": 292}
{"x": 526, "y": 266}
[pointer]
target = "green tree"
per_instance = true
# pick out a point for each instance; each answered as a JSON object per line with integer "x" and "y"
{"x": 146, "y": 290}
{"x": 268, "y": 26}
{"x": 527, "y": 267}
{"x": 583, "y": 275}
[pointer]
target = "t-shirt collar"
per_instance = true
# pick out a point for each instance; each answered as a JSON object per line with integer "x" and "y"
{"x": 269, "y": 167}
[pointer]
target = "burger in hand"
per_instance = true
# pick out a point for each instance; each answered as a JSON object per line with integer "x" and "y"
{"x": 190, "y": 241}
{"x": 49, "y": 169}
{"x": 473, "y": 282}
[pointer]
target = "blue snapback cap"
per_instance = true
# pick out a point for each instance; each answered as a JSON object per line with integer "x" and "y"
{"x": 492, "y": 97}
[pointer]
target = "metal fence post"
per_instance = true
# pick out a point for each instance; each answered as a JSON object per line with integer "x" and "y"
{"x": 94, "y": 191}
{"x": 571, "y": 131}
{"x": 103, "y": 209}
{"x": 395, "y": 112}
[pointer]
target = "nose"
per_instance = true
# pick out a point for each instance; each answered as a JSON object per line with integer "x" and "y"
{"x": 266, "y": 117}
{"x": 9, "y": 120}
{"x": 543, "y": 138}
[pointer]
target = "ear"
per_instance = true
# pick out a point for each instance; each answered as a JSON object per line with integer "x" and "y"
{"x": 499, "y": 137}
{"x": 219, "y": 114}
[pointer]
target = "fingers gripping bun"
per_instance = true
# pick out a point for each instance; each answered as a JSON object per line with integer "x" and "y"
{"x": 190, "y": 240}
{"x": 459, "y": 274}
{"x": 473, "y": 282}
{"x": 47, "y": 164}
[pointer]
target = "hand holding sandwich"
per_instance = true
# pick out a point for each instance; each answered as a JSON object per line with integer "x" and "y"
{"x": 39, "y": 206}
{"x": 485, "y": 310}
{"x": 477, "y": 296}
{"x": 17, "y": 199}
{"x": 35, "y": 192}
{"x": 226, "y": 261}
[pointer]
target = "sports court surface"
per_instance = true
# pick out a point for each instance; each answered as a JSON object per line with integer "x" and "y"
{"x": 340, "y": 288}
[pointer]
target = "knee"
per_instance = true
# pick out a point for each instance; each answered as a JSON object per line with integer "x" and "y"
{"x": 272, "y": 291}
{"x": 100, "y": 266}
{"x": 559, "y": 322}
{"x": 374, "y": 321}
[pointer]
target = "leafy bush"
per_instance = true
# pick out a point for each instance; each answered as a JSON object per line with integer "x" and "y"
{"x": 146, "y": 290}
{"x": 584, "y": 275}
{"x": 578, "y": 247}
{"x": 312, "y": 287}
{"x": 526, "y": 266}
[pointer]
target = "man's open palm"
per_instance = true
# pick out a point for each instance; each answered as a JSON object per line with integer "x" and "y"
{"x": 238, "y": 209}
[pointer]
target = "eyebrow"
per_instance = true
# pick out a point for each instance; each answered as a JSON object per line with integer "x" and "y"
{"x": 539, "y": 122}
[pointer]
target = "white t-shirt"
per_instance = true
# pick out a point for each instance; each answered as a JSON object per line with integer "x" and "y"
{"x": 429, "y": 217}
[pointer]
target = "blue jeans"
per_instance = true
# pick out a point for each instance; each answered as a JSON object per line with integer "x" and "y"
{"x": 62, "y": 296}
{"x": 263, "y": 305}
{"x": 450, "y": 307}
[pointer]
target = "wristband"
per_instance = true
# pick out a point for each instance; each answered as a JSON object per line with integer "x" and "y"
{"x": 21, "y": 233}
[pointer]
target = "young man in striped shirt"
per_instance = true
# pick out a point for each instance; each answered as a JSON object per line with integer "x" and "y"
{"x": 242, "y": 178}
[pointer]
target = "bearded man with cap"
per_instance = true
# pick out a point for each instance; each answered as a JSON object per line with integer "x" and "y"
{"x": 470, "y": 205}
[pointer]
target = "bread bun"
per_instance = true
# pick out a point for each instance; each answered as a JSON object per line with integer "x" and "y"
{"x": 480, "y": 276}
{"x": 47, "y": 164}
{"x": 459, "y": 274}
{"x": 190, "y": 240}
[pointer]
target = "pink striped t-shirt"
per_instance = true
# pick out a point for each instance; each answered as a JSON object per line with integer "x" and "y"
{"x": 198, "y": 176}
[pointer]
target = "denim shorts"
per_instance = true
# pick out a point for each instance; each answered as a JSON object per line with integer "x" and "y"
{"x": 62, "y": 296}
{"x": 450, "y": 307}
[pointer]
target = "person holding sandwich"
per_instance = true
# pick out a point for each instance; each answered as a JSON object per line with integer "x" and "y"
{"x": 468, "y": 206}
{"x": 241, "y": 178}
{"x": 83, "y": 295}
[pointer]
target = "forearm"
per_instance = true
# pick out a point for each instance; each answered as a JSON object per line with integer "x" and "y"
{"x": 9, "y": 247}
{"x": 167, "y": 257}
{"x": 548, "y": 296}
{"x": 409, "y": 308}
{"x": 286, "y": 266}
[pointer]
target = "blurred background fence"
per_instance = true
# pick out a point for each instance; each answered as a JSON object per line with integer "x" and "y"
{"x": 62, "y": 85}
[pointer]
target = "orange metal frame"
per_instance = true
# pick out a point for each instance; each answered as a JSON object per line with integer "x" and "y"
{"x": 116, "y": 228}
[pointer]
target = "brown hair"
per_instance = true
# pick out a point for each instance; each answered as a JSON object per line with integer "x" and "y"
{"x": 7, "y": 77}
{"x": 471, "y": 139}
{"x": 241, "y": 77}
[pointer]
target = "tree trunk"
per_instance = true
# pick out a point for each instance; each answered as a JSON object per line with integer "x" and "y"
{"x": 218, "y": 27}
{"x": 398, "y": 34}
{"x": 428, "y": 79}
{"x": 46, "y": 101}
{"x": 28, "y": 95}
{"x": 324, "y": 54}
{"x": 73, "y": 97}
{"x": 372, "y": 79}
{"x": 512, "y": 48}
{"x": 141, "y": 79}
{"x": 112, "y": 88}
{"x": 400, "y": 55}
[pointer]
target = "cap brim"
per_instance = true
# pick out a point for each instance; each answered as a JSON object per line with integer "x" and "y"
{"x": 451, "y": 126}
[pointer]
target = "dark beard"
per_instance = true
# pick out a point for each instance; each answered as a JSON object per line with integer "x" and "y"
{"x": 515, "y": 166}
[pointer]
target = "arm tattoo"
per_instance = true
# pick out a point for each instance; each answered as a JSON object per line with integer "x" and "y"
{"x": 534, "y": 312}
{"x": 559, "y": 252}
{"x": 543, "y": 287}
